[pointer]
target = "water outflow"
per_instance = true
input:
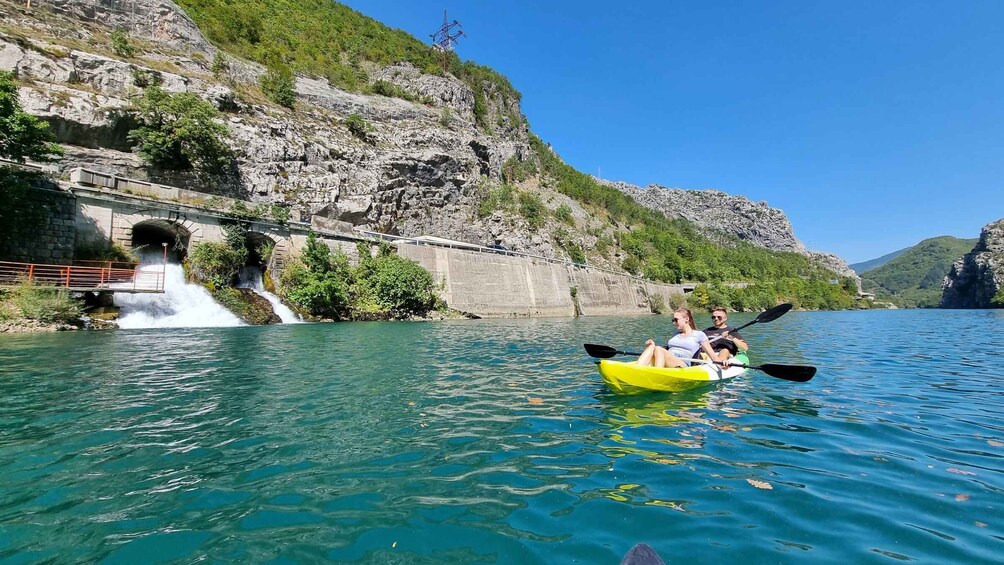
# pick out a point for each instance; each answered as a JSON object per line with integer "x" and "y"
{"x": 251, "y": 278}
{"x": 182, "y": 305}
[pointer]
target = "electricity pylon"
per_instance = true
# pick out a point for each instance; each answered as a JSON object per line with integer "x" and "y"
{"x": 445, "y": 37}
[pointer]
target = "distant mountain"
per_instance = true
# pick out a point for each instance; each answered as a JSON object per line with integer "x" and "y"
{"x": 865, "y": 266}
{"x": 913, "y": 279}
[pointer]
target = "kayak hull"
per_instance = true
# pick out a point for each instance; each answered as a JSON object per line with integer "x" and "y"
{"x": 625, "y": 377}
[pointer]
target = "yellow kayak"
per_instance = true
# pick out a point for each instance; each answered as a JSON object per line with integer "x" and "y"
{"x": 625, "y": 377}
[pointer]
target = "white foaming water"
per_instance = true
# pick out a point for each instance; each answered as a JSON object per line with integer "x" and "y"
{"x": 182, "y": 305}
{"x": 251, "y": 277}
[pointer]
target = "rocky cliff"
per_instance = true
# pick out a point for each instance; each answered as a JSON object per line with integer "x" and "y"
{"x": 716, "y": 212}
{"x": 976, "y": 279}
{"x": 424, "y": 167}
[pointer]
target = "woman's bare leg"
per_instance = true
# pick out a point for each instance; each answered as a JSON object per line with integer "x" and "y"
{"x": 647, "y": 355}
{"x": 660, "y": 357}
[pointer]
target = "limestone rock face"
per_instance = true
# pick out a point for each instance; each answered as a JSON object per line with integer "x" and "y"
{"x": 417, "y": 172}
{"x": 153, "y": 20}
{"x": 836, "y": 264}
{"x": 978, "y": 276}
{"x": 716, "y": 212}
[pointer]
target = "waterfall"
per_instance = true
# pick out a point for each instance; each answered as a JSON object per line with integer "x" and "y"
{"x": 182, "y": 305}
{"x": 251, "y": 277}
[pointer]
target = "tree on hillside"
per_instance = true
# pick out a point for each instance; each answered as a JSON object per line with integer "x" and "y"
{"x": 22, "y": 136}
{"x": 180, "y": 132}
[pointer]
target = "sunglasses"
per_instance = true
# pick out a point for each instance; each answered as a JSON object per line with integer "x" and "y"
{"x": 718, "y": 317}
{"x": 679, "y": 319}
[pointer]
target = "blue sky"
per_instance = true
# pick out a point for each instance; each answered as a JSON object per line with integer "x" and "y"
{"x": 872, "y": 124}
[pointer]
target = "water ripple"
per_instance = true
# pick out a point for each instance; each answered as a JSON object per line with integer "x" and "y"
{"x": 495, "y": 441}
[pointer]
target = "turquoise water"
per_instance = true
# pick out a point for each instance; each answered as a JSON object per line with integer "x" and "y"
{"x": 496, "y": 442}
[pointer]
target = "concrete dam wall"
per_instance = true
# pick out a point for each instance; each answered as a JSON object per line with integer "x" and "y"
{"x": 493, "y": 285}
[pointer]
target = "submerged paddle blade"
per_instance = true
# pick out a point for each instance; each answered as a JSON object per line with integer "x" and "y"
{"x": 796, "y": 373}
{"x": 600, "y": 351}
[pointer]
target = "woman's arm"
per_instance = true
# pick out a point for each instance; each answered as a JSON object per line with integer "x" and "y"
{"x": 706, "y": 346}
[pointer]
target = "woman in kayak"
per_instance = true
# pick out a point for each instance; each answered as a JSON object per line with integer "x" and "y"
{"x": 681, "y": 347}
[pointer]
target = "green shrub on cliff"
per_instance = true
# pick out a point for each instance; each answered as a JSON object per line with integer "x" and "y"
{"x": 532, "y": 209}
{"x": 495, "y": 197}
{"x": 179, "y": 132}
{"x": 218, "y": 263}
{"x": 22, "y": 136}
{"x": 279, "y": 85}
{"x": 323, "y": 284}
{"x": 359, "y": 127}
{"x": 120, "y": 44}
{"x": 389, "y": 285}
{"x": 215, "y": 263}
{"x": 516, "y": 171}
{"x": 317, "y": 283}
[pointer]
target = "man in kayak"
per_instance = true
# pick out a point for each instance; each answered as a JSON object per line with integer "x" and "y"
{"x": 724, "y": 340}
{"x": 681, "y": 347}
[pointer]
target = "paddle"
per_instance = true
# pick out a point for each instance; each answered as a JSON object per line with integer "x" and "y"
{"x": 795, "y": 373}
{"x": 764, "y": 317}
{"x": 767, "y": 316}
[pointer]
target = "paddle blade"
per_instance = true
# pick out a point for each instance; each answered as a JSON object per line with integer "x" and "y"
{"x": 767, "y": 316}
{"x": 600, "y": 351}
{"x": 796, "y": 373}
{"x": 774, "y": 313}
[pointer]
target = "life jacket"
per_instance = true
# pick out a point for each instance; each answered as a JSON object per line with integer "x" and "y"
{"x": 723, "y": 343}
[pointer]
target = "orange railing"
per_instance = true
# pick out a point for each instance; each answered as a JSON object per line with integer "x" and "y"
{"x": 82, "y": 278}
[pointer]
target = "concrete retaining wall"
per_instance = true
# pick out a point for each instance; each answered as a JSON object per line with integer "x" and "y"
{"x": 499, "y": 286}
{"x": 45, "y": 232}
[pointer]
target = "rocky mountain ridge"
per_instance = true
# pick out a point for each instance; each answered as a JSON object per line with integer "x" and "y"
{"x": 716, "y": 212}
{"x": 977, "y": 279}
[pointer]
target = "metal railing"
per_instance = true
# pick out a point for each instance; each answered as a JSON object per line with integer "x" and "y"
{"x": 81, "y": 278}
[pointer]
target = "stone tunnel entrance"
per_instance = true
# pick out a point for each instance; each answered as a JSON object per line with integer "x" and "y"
{"x": 149, "y": 237}
{"x": 260, "y": 247}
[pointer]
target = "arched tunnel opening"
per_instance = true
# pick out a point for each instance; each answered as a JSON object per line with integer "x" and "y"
{"x": 150, "y": 239}
{"x": 260, "y": 248}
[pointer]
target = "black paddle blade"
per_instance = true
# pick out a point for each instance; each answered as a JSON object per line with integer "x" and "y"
{"x": 599, "y": 351}
{"x": 796, "y": 373}
{"x": 605, "y": 351}
{"x": 767, "y": 315}
{"x": 774, "y": 313}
